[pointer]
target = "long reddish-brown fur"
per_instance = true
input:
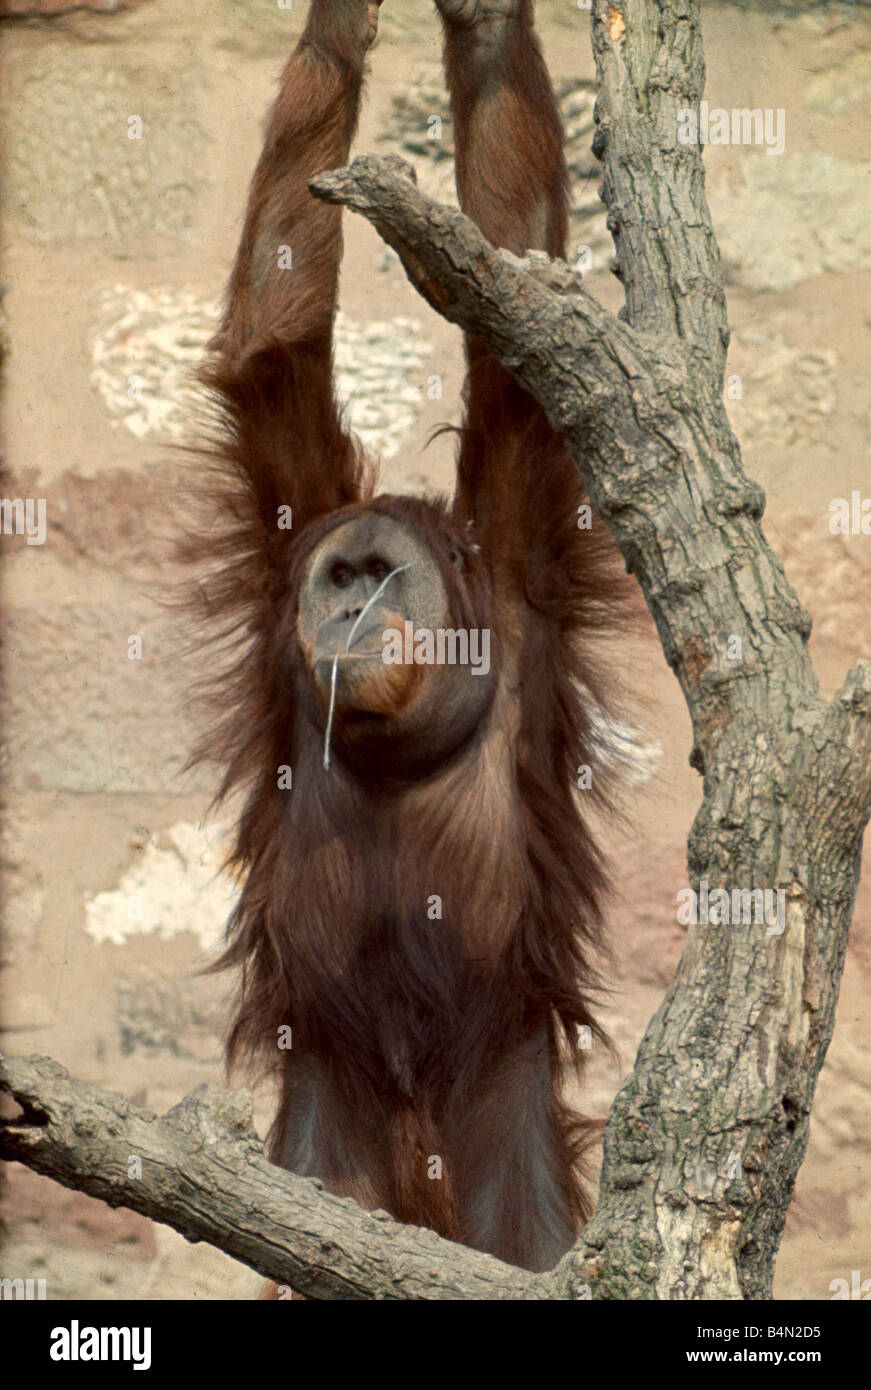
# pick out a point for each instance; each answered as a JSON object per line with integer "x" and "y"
{"x": 412, "y": 1039}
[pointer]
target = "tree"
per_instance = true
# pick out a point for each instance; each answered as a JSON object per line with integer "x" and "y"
{"x": 706, "y": 1136}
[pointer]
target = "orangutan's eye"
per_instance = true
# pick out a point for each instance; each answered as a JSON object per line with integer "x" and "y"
{"x": 341, "y": 575}
{"x": 377, "y": 568}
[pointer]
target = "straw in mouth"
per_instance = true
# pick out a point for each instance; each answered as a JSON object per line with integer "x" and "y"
{"x": 328, "y": 732}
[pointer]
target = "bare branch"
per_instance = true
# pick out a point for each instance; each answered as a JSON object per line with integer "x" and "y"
{"x": 520, "y": 306}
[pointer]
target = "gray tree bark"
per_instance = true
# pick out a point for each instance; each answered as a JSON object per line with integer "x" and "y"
{"x": 706, "y": 1135}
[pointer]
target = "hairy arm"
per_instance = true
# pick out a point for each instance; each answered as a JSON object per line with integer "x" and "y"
{"x": 516, "y": 484}
{"x": 273, "y": 353}
{"x": 511, "y": 171}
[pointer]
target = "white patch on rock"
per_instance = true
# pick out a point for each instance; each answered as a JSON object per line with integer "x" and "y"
{"x": 171, "y": 888}
{"x": 144, "y": 355}
{"x": 379, "y": 376}
{"x": 149, "y": 343}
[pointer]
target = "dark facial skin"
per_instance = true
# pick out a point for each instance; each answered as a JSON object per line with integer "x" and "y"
{"x": 370, "y": 574}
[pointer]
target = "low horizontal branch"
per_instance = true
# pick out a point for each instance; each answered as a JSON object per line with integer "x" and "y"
{"x": 201, "y": 1169}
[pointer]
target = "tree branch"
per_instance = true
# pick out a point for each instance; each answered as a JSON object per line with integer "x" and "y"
{"x": 202, "y": 1171}
{"x": 522, "y": 305}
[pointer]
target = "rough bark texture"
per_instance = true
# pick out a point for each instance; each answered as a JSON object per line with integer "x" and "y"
{"x": 706, "y": 1136}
